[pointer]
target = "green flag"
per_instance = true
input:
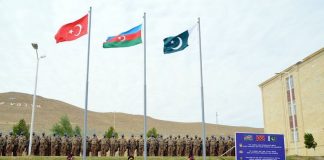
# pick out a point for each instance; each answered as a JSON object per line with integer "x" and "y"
{"x": 176, "y": 43}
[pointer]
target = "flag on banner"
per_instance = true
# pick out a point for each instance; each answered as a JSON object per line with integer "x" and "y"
{"x": 129, "y": 38}
{"x": 176, "y": 43}
{"x": 73, "y": 30}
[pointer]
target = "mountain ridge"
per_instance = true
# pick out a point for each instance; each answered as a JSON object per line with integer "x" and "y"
{"x": 15, "y": 106}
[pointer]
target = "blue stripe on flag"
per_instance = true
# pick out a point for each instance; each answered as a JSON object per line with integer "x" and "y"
{"x": 131, "y": 31}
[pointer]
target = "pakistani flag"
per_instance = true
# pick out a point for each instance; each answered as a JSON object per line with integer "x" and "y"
{"x": 176, "y": 43}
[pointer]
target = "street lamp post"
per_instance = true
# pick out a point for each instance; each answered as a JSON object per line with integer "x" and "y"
{"x": 35, "y": 46}
{"x": 292, "y": 110}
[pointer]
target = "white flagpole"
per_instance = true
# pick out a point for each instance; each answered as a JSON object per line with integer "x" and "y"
{"x": 86, "y": 95}
{"x": 145, "y": 138}
{"x": 202, "y": 96}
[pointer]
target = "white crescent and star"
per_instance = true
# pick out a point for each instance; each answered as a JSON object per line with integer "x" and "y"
{"x": 72, "y": 30}
{"x": 121, "y": 38}
{"x": 179, "y": 46}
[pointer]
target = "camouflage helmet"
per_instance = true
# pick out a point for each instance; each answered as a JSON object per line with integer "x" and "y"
{"x": 132, "y": 135}
{"x": 65, "y": 134}
{"x": 196, "y": 136}
{"x": 170, "y": 136}
{"x": 123, "y": 135}
{"x": 10, "y": 133}
{"x": 43, "y": 133}
{"x": 141, "y": 135}
{"x": 179, "y": 136}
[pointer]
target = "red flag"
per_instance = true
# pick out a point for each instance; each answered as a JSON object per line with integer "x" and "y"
{"x": 73, "y": 30}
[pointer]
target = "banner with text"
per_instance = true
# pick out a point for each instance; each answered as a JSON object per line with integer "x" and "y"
{"x": 254, "y": 146}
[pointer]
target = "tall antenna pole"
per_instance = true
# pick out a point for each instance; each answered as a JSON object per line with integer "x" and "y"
{"x": 216, "y": 117}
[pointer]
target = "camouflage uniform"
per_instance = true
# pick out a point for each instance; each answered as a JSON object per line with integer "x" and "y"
{"x": 221, "y": 146}
{"x": 9, "y": 145}
{"x": 132, "y": 145}
{"x": 75, "y": 145}
{"x": 35, "y": 143}
{"x": 64, "y": 145}
{"x": 15, "y": 148}
{"x": 152, "y": 143}
{"x": 55, "y": 142}
{"x": 122, "y": 143}
{"x": 43, "y": 144}
{"x": 170, "y": 146}
{"x": 212, "y": 146}
{"x": 188, "y": 146}
{"x": 207, "y": 146}
{"x": 179, "y": 146}
{"x": 2, "y": 144}
{"x": 113, "y": 145}
{"x": 161, "y": 145}
{"x": 21, "y": 144}
{"x": 196, "y": 146}
{"x": 140, "y": 143}
{"x": 104, "y": 146}
{"x": 230, "y": 144}
{"x": 94, "y": 145}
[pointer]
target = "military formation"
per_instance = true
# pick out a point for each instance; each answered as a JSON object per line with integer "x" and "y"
{"x": 54, "y": 145}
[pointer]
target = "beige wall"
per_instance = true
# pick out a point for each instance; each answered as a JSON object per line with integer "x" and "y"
{"x": 308, "y": 79}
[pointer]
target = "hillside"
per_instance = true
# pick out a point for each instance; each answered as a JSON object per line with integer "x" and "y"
{"x": 15, "y": 106}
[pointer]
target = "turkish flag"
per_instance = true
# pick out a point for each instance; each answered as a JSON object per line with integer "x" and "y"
{"x": 73, "y": 30}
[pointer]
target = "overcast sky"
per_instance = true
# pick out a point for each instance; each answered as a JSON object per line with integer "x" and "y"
{"x": 243, "y": 44}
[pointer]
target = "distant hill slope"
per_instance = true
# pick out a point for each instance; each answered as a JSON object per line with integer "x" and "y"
{"x": 15, "y": 106}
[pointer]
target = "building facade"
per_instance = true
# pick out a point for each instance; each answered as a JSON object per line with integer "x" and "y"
{"x": 293, "y": 104}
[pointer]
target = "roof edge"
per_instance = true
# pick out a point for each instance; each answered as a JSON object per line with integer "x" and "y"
{"x": 290, "y": 67}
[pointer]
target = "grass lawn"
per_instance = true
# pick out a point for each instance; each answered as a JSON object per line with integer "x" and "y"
{"x": 150, "y": 158}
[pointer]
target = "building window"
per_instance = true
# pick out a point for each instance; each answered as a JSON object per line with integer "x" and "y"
{"x": 291, "y": 101}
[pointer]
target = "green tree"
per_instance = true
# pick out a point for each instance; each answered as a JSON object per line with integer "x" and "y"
{"x": 152, "y": 131}
{"x": 77, "y": 130}
{"x": 21, "y": 127}
{"x": 110, "y": 132}
{"x": 64, "y": 127}
{"x": 309, "y": 141}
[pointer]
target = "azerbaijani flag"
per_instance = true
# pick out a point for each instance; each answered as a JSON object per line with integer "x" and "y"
{"x": 129, "y": 38}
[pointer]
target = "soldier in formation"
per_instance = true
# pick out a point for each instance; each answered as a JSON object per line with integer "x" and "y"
{"x": 94, "y": 145}
{"x": 21, "y": 144}
{"x": 43, "y": 145}
{"x": 64, "y": 145}
{"x": 11, "y": 145}
{"x": 170, "y": 146}
{"x": 122, "y": 146}
{"x": 131, "y": 146}
{"x": 2, "y": 144}
{"x": 104, "y": 145}
{"x": 140, "y": 146}
{"x": 113, "y": 145}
